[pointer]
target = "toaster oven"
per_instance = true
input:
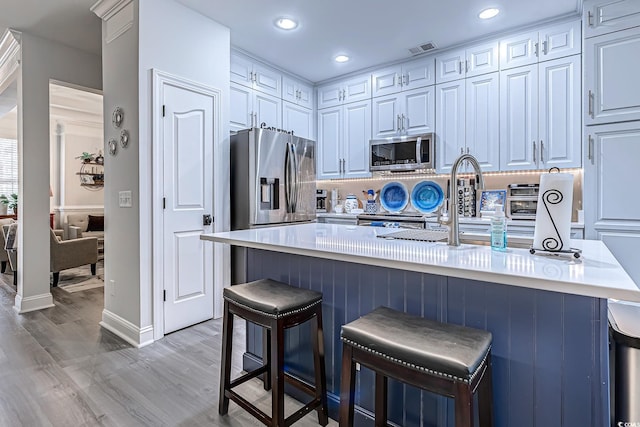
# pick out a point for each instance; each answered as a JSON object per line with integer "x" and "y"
{"x": 522, "y": 201}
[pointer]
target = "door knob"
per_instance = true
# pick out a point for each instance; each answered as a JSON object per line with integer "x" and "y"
{"x": 207, "y": 219}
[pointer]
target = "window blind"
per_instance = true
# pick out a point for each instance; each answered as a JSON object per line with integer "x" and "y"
{"x": 8, "y": 166}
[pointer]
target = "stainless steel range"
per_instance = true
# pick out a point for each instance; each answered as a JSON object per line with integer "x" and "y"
{"x": 394, "y": 220}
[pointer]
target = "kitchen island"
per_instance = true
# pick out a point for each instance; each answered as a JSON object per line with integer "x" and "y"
{"x": 548, "y": 315}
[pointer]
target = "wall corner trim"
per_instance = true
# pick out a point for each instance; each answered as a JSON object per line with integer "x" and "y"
{"x": 105, "y": 9}
{"x": 33, "y": 303}
{"x": 137, "y": 337}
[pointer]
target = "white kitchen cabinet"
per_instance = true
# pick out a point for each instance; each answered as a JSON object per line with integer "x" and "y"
{"x": 482, "y": 117}
{"x": 343, "y": 141}
{"x": 297, "y": 119}
{"x": 548, "y": 43}
{"x": 297, "y": 92}
{"x": 467, "y": 117}
{"x": 469, "y": 62}
{"x": 612, "y": 90}
{"x": 410, "y": 112}
{"x": 606, "y": 16}
{"x": 254, "y": 75}
{"x": 559, "y": 129}
{"x": 250, "y": 108}
{"x": 519, "y": 118}
{"x": 344, "y": 91}
{"x": 539, "y": 116}
{"x": 450, "y": 124}
{"x": 406, "y": 76}
{"x": 611, "y": 158}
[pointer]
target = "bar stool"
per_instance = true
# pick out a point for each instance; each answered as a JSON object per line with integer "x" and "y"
{"x": 275, "y": 306}
{"x": 447, "y": 359}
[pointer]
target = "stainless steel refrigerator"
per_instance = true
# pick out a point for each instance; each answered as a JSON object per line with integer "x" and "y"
{"x": 273, "y": 182}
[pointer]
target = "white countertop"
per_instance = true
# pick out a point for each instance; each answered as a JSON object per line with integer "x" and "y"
{"x": 596, "y": 274}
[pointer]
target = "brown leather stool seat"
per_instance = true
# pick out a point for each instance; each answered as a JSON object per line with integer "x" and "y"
{"x": 275, "y": 306}
{"x": 443, "y": 358}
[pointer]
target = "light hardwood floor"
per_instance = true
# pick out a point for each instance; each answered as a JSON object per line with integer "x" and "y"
{"x": 58, "y": 367}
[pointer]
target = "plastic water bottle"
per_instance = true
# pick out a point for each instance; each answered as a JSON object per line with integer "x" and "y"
{"x": 499, "y": 230}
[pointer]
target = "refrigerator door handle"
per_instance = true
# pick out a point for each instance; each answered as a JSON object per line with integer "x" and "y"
{"x": 290, "y": 178}
{"x": 296, "y": 187}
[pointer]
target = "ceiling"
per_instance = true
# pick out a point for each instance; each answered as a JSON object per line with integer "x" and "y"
{"x": 371, "y": 32}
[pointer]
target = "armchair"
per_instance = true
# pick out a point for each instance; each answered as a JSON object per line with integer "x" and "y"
{"x": 4, "y": 257}
{"x": 72, "y": 253}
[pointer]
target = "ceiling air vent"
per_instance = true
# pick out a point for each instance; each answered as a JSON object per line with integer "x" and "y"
{"x": 424, "y": 47}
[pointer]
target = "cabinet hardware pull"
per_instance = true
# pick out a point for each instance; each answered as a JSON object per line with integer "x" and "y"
{"x": 460, "y": 67}
{"x": 461, "y": 150}
{"x": 534, "y": 153}
{"x": 590, "y": 19}
{"x": 405, "y": 81}
{"x": 467, "y": 150}
{"x": 536, "y": 49}
{"x": 542, "y": 151}
{"x": 398, "y": 122}
{"x": 591, "y": 103}
{"x": 544, "y": 48}
{"x": 466, "y": 65}
{"x": 590, "y": 149}
{"x": 403, "y": 126}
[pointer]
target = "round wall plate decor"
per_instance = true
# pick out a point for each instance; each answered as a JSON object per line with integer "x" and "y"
{"x": 117, "y": 117}
{"x": 124, "y": 138}
{"x": 113, "y": 146}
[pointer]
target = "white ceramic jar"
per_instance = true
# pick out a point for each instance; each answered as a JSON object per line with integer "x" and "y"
{"x": 350, "y": 203}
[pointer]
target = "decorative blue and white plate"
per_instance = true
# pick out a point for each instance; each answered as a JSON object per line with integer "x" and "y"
{"x": 394, "y": 197}
{"x": 426, "y": 196}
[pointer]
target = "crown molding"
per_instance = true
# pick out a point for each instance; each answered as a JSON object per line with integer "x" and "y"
{"x": 9, "y": 56}
{"x": 105, "y": 9}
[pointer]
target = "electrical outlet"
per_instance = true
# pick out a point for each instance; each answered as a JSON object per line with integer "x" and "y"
{"x": 124, "y": 199}
{"x": 112, "y": 288}
{"x": 357, "y": 366}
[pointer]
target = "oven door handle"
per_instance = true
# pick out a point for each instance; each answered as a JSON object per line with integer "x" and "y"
{"x": 419, "y": 151}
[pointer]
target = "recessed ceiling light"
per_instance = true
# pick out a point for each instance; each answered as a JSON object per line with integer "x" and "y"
{"x": 488, "y": 13}
{"x": 341, "y": 58}
{"x": 286, "y": 23}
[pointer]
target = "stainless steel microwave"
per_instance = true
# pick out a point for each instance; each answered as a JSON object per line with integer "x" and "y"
{"x": 402, "y": 153}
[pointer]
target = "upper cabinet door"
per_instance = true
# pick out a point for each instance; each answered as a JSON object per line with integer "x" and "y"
{"x": 267, "y": 80}
{"x": 305, "y": 95}
{"x": 559, "y": 113}
{"x": 612, "y": 62}
{"x": 519, "y": 118}
{"x": 482, "y": 59}
{"x": 420, "y": 73}
{"x": 418, "y": 111}
{"x": 357, "y": 89}
{"x": 450, "y": 138}
{"x": 387, "y": 81}
{"x": 329, "y": 143}
{"x": 267, "y": 110}
{"x": 482, "y": 120}
{"x": 297, "y": 119}
{"x": 606, "y": 16}
{"x": 519, "y": 50}
{"x": 559, "y": 41}
{"x": 330, "y": 95}
{"x": 357, "y": 133}
{"x": 241, "y": 107}
{"x": 386, "y": 116}
{"x": 450, "y": 66}
{"x": 241, "y": 70}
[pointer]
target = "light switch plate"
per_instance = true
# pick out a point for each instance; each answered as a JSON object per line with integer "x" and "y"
{"x": 124, "y": 198}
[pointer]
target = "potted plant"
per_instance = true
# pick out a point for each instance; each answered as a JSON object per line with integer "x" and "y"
{"x": 11, "y": 202}
{"x": 86, "y": 157}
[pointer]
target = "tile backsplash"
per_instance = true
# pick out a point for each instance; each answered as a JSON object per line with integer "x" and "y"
{"x": 493, "y": 181}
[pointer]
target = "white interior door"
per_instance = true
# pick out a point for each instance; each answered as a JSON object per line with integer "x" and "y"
{"x": 188, "y": 139}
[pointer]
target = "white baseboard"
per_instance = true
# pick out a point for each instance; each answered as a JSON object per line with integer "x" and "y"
{"x": 34, "y": 303}
{"x": 137, "y": 337}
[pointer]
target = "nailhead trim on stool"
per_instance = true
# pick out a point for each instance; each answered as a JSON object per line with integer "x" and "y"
{"x": 300, "y": 305}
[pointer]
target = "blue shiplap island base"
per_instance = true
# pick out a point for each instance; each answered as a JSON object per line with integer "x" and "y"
{"x": 550, "y": 349}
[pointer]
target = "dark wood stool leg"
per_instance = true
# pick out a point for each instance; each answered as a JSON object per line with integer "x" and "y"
{"x": 485, "y": 397}
{"x": 93, "y": 269}
{"x": 4, "y": 266}
{"x": 319, "y": 368}
{"x": 225, "y": 362}
{"x": 347, "y": 386}
{"x": 381, "y": 400}
{"x": 277, "y": 374}
{"x": 463, "y": 406}
{"x": 266, "y": 357}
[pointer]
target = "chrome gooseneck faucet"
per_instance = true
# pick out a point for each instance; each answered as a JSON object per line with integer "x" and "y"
{"x": 453, "y": 221}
